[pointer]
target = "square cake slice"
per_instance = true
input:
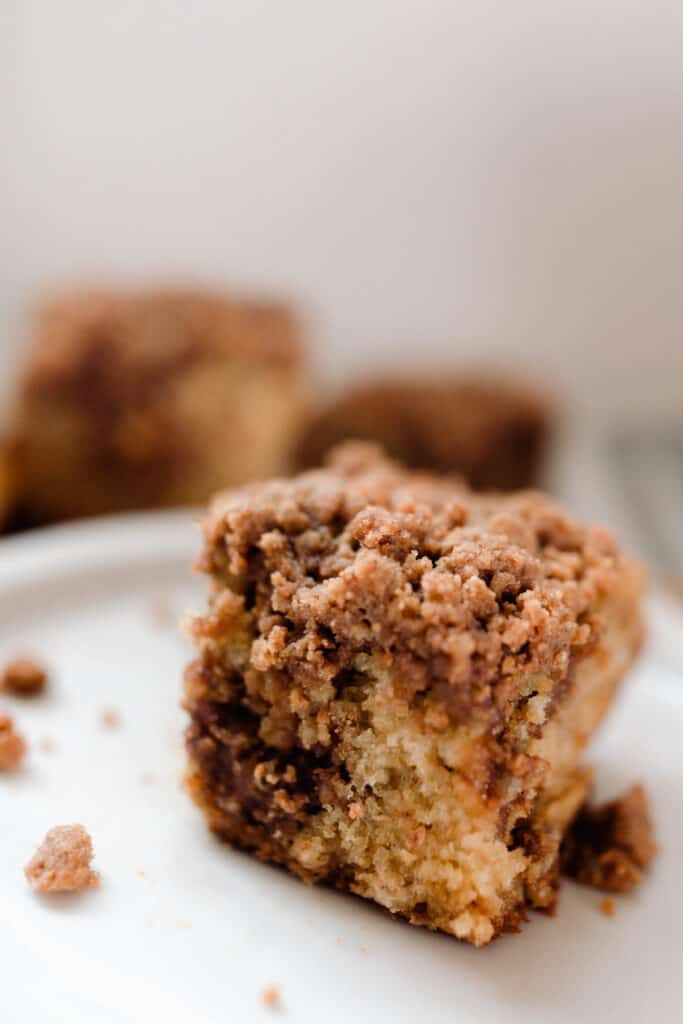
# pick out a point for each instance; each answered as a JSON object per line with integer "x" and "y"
{"x": 396, "y": 681}
{"x": 491, "y": 431}
{"x": 148, "y": 398}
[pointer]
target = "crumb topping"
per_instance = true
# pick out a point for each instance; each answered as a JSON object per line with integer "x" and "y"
{"x": 482, "y": 426}
{"x": 467, "y": 594}
{"x": 390, "y": 692}
{"x": 609, "y": 846}
{"x": 130, "y": 342}
{"x": 23, "y": 677}
{"x": 12, "y": 745}
{"x": 62, "y": 861}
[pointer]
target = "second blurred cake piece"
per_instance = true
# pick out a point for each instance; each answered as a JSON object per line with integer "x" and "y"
{"x": 491, "y": 432}
{"x": 151, "y": 398}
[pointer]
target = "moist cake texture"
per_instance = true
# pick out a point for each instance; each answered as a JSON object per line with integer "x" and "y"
{"x": 396, "y": 680}
{"x": 491, "y": 432}
{"x": 150, "y": 398}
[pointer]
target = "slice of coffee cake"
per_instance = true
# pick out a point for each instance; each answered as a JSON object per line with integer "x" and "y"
{"x": 491, "y": 431}
{"x": 150, "y": 398}
{"x": 396, "y": 680}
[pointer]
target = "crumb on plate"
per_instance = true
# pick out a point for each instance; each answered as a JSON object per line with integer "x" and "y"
{"x": 271, "y": 997}
{"x": 12, "y": 745}
{"x": 110, "y": 718}
{"x": 608, "y": 906}
{"x": 610, "y": 845}
{"x": 62, "y": 861}
{"x": 23, "y": 677}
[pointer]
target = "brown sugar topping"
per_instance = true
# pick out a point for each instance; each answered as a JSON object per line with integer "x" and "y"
{"x": 23, "y": 677}
{"x": 609, "y": 846}
{"x": 12, "y": 745}
{"x": 482, "y": 590}
{"x": 62, "y": 861}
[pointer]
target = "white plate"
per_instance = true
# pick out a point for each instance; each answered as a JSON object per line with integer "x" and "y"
{"x": 185, "y": 930}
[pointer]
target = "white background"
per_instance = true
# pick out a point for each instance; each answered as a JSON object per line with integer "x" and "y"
{"x": 488, "y": 181}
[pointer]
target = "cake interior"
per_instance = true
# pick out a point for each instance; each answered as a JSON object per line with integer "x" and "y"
{"x": 395, "y": 800}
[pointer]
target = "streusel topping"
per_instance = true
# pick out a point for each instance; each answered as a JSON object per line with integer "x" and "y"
{"x": 469, "y": 594}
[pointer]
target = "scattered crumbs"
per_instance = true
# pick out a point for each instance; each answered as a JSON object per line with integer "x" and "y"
{"x": 12, "y": 745}
{"x": 147, "y": 778}
{"x": 62, "y": 861}
{"x": 23, "y": 677}
{"x": 162, "y": 613}
{"x": 141, "y": 874}
{"x": 608, "y": 847}
{"x": 608, "y": 906}
{"x": 110, "y": 718}
{"x": 271, "y": 997}
{"x": 175, "y": 741}
{"x": 183, "y": 924}
{"x": 47, "y": 744}
{"x": 362, "y": 949}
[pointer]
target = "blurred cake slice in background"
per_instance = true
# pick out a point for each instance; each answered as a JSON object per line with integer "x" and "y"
{"x": 490, "y": 432}
{"x": 138, "y": 399}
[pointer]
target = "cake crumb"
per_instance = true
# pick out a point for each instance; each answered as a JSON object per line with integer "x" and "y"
{"x": 162, "y": 614}
{"x": 608, "y": 906}
{"x": 271, "y": 997}
{"x": 47, "y": 744}
{"x": 110, "y": 718}
{"x": 12, "y": 745}
{"x": 609, "y": 846}
{"x": 379, "y": 631}
{"x": 23, "y": 677}
{"x": 62, "y": 861}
